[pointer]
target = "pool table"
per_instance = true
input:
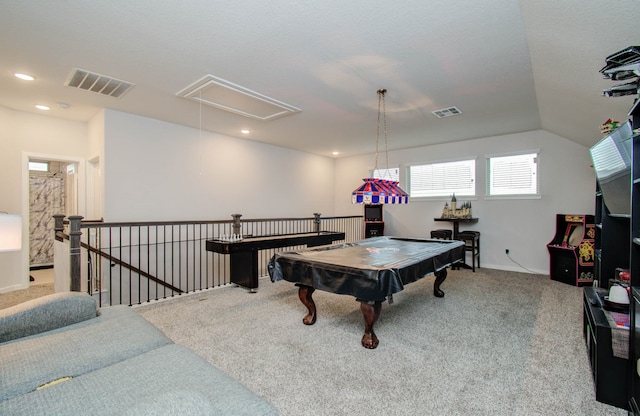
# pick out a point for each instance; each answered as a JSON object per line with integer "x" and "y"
{"x": 371, "y": 270}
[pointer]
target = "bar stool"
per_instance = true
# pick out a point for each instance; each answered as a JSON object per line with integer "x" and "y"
{"x": 471, "y": 243}
{"x": 442, "y": 234}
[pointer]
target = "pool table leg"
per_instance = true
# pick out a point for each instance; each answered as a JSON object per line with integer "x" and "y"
{"x": 440, "y": 276}
{"x": 371, "y": 313}
{"x": 304, "y": 293}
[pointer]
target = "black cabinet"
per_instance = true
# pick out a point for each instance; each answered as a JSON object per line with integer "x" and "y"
{"x": 608, "y": 366}
{"x": 635, "y": 195}
{"x": 634, "y": 351}
{"x": 618, "y": 237}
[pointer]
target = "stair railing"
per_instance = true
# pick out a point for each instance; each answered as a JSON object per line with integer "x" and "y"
{"x": 136, "y": 262}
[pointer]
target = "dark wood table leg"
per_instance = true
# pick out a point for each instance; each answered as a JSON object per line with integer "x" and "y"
{"x": 440, "y": 276}
{"x": 371, "y": 313}
{"x": 304, "y": 293}
{"x": 456, "y": 229}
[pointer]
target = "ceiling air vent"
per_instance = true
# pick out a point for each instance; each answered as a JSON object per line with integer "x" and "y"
{"x": 447, "y": 112}
{"x": 224, "y": 95}
{"x": 101, "y": 84}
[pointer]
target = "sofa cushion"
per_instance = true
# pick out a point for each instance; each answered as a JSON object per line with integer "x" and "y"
{"x": 168, "y": 380}
{"x": 45, "y": 313}
{"x": 117, "y": 334}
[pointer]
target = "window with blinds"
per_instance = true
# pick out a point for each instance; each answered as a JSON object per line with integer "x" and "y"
{"x": 443, "y": 179}
{"x": 512, "y": 175}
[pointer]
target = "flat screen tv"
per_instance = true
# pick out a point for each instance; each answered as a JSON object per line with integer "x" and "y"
{"x": 612, "y": 162}
{"x": 373, "y": 212}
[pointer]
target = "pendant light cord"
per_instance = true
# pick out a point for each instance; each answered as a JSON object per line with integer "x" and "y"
{"x": 382, "y": 110}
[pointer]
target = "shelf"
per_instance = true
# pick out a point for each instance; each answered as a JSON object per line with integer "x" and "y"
{"x": 609, "y": 370}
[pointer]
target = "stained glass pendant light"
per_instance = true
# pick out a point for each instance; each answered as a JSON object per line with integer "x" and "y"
{"x": 376, "y": 190}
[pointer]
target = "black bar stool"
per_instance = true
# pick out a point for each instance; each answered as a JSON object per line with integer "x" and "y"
{"x": 442, "y": 234}
{"x": 471, "y": 243}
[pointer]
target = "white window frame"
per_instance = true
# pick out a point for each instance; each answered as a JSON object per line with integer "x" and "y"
{"x": 444, "y": 193}
{"x": 531, "y": 194}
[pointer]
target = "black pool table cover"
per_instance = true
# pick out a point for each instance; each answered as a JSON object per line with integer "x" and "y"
{"x": 370, "y": 269}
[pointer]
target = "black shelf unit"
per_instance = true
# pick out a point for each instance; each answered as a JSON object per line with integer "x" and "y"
{"x": 634, "y": 338}
{"x": 617, "y": 242}
{"x": 634, "y": 353}
{"x": 609, "y": 370}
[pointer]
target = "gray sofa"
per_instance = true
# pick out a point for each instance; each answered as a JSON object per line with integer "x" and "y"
{"x": 60, "y": 355}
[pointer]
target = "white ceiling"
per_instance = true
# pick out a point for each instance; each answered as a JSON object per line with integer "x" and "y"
{"x": 508, "y": 65}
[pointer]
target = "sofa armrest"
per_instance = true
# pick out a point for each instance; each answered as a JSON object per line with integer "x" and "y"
{"x": 45, "y": 313}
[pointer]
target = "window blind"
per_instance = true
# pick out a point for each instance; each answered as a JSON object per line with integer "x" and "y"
{"x": 513, "y": 175}
{"x": 443, "y": 179}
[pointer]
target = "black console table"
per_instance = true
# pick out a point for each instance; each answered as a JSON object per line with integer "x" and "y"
{"x": 610, "y": 370}
{"x": 244, "y": 253}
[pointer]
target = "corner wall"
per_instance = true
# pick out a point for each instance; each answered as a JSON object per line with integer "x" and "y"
{"x": 22, "y": 133}
{"x": 524, "y": 226}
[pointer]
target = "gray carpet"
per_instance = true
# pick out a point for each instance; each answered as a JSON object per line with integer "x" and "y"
{"x": 18, "y": 296}
{"x": 498, "y": 343}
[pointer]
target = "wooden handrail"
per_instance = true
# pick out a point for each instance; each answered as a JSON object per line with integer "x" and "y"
{"x": 62, "y": 236}
{"x": 130, "y": 267}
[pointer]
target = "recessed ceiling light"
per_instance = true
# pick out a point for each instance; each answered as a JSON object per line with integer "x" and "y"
{"x": 24, "y": 76}
{"x": 245, "y": 131}
{"x": 42, "y": 107}
{"x": 335, "y": 153}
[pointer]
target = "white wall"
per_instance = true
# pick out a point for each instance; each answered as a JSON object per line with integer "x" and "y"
{"x": 95, "y": 158}
{"x": 155, "y": 170}
{"x": 22, "y": 133}
{"x": 524, "y": 226}
{"x": 159, "y": 171}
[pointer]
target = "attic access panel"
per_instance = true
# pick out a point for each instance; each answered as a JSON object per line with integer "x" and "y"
{"x": 224, "y": 95}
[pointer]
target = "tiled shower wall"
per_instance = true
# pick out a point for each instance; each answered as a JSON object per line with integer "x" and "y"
{"x": 46, "y": 198}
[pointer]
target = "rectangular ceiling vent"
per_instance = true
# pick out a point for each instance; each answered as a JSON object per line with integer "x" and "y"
{"x": 224, "y": 95}
{"x": 447, "y": 112}
{"x": 101, "y": 84}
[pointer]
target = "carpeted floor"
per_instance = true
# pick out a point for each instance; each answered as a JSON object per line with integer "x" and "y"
{"x": 498, "y": 343}
{"x": 19, "y": 296}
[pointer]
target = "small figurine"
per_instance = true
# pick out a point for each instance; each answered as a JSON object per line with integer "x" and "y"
{"x": 608, "y": 126}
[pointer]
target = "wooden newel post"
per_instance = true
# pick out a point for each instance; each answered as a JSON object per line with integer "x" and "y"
{"x": 74, "y": 251}
{"x": 58, "y": 225}
{"x": 317, "y": 221}
{"x": 236, "y": 224}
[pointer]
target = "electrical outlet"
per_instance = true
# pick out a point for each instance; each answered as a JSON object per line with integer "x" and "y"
{"x": 506, "y": 251}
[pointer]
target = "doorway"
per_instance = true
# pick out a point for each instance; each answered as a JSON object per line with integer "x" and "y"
{"x": 52, "y": 185}
{"x": 47, "y": 181}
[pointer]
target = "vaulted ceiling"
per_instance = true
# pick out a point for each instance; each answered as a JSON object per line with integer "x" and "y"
{"x": 507, "y": 65}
